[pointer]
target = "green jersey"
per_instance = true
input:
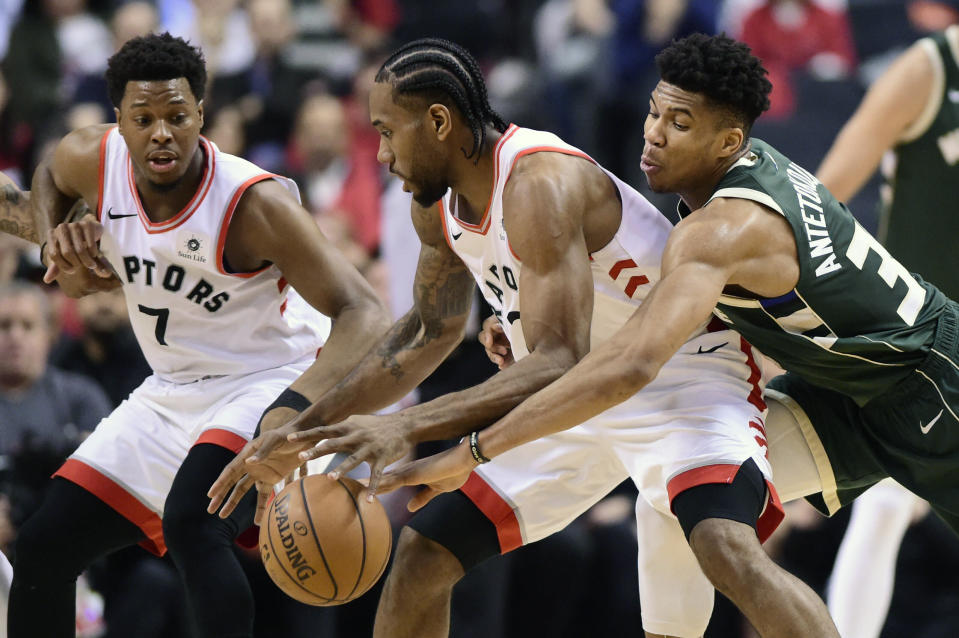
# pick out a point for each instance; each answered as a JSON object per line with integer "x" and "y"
{"x": 857, "y": 321}
{"x": 919, "y": 221}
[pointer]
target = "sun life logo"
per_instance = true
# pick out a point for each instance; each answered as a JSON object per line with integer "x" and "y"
{"x": 192, "y": 245}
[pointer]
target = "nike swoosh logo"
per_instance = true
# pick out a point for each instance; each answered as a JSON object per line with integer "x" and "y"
{"x": 112, "y": 216}
{"x": 925, "y": 428}
{"x": 455, "y": 237}
{"x": 713, "y": 349}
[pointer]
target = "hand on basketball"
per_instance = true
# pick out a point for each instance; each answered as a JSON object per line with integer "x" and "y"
{"x": 494, "y": 340}
{"x": 262, "y": 463}
{"x": 377, "y": 440}
{"x": 443, "y": 472}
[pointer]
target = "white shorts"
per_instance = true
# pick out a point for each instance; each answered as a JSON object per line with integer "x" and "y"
{"x": 130, "y": 459}
{"x": 696, "y": 423}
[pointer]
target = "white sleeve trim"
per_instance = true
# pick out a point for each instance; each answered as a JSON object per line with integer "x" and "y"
{"x": 748, "y": 193}
{"x": 934, "y": 100}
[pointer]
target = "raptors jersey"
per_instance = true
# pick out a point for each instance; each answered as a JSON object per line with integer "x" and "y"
{"x": 192, "y": 317}
{"x": 623, "y": 271}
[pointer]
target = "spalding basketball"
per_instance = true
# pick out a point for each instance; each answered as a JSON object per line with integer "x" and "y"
{"x": 323, "y": 543}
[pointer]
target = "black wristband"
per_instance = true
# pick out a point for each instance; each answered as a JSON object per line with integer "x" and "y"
{"x": 474, "y": 449}
{"x": 287, "y": 399}
{"x": 42, "y": 247}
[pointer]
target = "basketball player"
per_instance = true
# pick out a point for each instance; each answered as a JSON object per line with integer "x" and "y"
{"x": 908, "y": 123}
{"x": 871, "y": 350}
{"x": 564, "y": 252}
{"x": 208, "y": 248}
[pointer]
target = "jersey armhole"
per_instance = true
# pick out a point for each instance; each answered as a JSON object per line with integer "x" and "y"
{"x": 225, "y": 227}
{"x": 934, "y": 100}
{"x": 101, "y": 174}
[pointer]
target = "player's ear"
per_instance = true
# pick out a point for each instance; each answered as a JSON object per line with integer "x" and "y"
{"x": 441, "y": 121}
{"x": 116, "y": 114}
{"x": 199, "y": 112}
{"x": 733, "y": 138}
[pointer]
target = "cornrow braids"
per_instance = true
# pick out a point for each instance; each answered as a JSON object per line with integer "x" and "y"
{"x": 447, "y": 73}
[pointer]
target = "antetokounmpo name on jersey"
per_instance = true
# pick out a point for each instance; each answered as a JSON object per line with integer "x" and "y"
{"x": 810, "y": 207}
{"x": 172, "y": 279}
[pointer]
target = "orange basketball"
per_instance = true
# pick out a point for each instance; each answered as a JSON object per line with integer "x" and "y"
{"x": 323, "y": 543}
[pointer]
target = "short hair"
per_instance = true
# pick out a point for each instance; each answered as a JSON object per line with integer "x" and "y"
{"x": 155, "y": 57}
{"x": 722, "y": 69}
{"x": 446, "y": 73}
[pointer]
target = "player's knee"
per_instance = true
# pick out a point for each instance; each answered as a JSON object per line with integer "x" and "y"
{"x": 43, "y": 554}
{"x": 423, "y": 564}
{"x": 728, "y": 552}
{"x": 187, "y": 529}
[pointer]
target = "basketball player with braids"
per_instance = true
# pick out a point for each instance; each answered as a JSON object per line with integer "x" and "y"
{"x": 871, "y": 351}
{"x": 564, "y": 252}
{"x": 220, "y": 266}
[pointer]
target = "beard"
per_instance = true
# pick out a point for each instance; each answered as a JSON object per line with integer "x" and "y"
{"x": 429, "y": 194}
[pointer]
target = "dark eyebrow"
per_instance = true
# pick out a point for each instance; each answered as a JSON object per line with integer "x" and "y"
{"x": 377, "y": 122}
{"x": 681, "y": 109}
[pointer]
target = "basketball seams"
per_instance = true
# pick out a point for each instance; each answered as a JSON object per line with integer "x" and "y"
{"x": 319, "y": 546}
{"x": 359, "y": 516}
{"x": 276, "y": 559}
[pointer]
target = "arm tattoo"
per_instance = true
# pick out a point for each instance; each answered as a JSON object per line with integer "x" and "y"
{"x": 442, "y": 292}
{"x": 15, "y": 216}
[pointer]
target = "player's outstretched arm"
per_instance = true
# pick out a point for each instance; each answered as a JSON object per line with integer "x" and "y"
{"x": 886, "y": 115}
{"x": 398, "y": 361}
{"x": 16, "y": 217}
{"x": 696, "y": 267}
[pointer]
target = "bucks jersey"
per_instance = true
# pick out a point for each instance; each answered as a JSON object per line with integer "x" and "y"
{"x": 857, "y": 321}
{"x": 919, "y": 225}
{"x": 194, "y": 318}
{"x": 623, "y": 271}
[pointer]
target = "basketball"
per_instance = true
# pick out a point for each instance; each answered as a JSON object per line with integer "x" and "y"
{"x": 323, "y": 543}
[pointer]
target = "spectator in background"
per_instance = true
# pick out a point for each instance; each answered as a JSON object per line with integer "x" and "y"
{"x": 220, "y": 27}
{"x": 267, "y": 93}
{"x": 798, "y": 36}
{"x": 335, "y": 181}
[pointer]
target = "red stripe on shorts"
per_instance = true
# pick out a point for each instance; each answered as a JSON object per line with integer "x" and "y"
{"x": 498, "y": 511}
{"x": 771, "y": 516}
{"x": 117, "y": 497}
{"x": 224, "y": 438}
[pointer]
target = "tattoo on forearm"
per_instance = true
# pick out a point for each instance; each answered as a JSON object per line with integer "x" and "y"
{"x": 398, "y": 338}
{"x": 15, "y": 217}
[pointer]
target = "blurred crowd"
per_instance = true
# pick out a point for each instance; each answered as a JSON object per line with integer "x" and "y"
{"x": 288, "y": 90}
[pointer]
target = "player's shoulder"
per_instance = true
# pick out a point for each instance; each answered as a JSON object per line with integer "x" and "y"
{"x": 84, "y": 142}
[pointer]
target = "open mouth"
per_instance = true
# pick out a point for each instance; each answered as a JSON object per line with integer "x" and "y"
{"x": 162, "y": 162}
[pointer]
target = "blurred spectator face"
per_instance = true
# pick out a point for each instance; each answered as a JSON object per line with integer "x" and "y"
{"x": 132, "y": 20}
{"x": 412, "y": 150}
{"x": 227, "y": 131}
{"x": 271, "y": 24}
{"x": 63, "y": 8}
{"x": 321, "y": 132}
{"x": 25, "y": 338}
{"x": 103, "y": 312}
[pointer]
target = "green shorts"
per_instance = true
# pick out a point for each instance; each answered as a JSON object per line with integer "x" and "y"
{"x": 910, "y": 432}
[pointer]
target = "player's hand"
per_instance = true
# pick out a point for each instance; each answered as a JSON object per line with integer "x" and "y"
{"x": 497, "y": 345}
{"x": 85, "y": 282}
{"x": 443, "y": 472}
{"x": 262, "y": 463}
{"x": 377, "y": 440}
{"x": 75, "y": 246}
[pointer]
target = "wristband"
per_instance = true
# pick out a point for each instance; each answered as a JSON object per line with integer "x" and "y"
{"x": 474, "y": 449}
{"x": 287, "y": 399}
{"x": 42, "y": 248}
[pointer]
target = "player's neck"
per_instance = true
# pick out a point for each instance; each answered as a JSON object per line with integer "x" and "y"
{"x": 472, "y": 180}
{"x": 161, "y": 203}
{"x": 696, "y": 196}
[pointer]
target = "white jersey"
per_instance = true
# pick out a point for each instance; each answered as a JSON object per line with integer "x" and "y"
{"x": 192, "y": 317}
{"x": 623, "y": 271}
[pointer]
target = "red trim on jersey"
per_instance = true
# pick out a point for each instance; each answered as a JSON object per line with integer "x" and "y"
{"x": 117, "y": 497}
{"x": 756, "y": 393}
{"x": 209, "y": 168}
{"x": 634, "y": 283}
{"x": 483, "y": 226}
{"x": 101, "y": 173}
{"x": 281, "y": 283}
{"x": 498, "y": 511}
{"x": 283, "y": 307}
{"x": 230, "y": 209}
{"x": 771, "y": 516}
{"x": 620, "y": 266}
{"x": 716, "y": 325}
{"x": 446, "y": 230}
{"x": 224, "y": 438}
